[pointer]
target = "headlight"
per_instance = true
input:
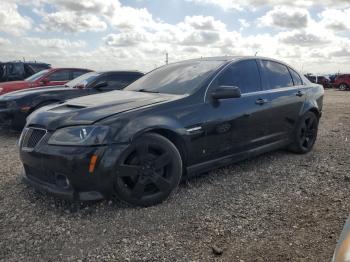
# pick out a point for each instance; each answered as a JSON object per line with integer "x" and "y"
{"x": 80, "y": 136}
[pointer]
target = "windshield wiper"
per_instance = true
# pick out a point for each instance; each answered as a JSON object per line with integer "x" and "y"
{"x": 147, "y": 91}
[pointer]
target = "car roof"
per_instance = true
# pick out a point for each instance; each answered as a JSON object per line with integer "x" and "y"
{"x": 231, "y": 59}
{"x": 68, "y": 68}
{"x": 121, "y": 71}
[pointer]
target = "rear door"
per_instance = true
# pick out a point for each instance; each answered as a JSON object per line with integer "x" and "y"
{"x": 286, "y": 95}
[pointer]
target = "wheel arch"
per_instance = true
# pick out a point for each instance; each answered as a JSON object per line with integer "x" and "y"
{"x": 173, "y": 136}
{"x": 315, "y": 111}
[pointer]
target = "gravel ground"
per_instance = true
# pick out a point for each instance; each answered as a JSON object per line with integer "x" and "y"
{"x": 276, "y": 207}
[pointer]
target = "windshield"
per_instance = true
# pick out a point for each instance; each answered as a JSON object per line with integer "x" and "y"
{"x": 84, "y": 79}
{"x": 178, "y": 78}
{"x": 37, "y": 75}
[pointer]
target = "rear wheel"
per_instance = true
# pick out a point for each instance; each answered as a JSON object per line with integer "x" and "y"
{"x": 305, "y": 134}
{"x": 343, "y": 87}
{"x": 148, "y": 171}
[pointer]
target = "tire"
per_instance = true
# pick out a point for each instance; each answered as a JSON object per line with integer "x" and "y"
{"x": 148, "y": 171}
{"x": 305, "y": 135}
{"x": 343, "y": 87}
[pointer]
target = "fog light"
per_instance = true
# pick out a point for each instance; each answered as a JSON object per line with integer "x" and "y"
{"x": 62, "y": 181}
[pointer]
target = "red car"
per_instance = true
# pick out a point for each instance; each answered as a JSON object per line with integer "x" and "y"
{"x": 342, "y": 82}
{"x": 47, "y": 77}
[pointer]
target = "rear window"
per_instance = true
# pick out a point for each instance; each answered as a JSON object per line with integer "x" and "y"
{"x": 276, "y": 75}
{"x": 296, "y": 77}
{"x": 62, "y": 75}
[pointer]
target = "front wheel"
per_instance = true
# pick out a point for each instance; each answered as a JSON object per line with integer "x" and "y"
{"x": 305, "y": 135}
{"x": 343, "y": 87}
{"x": 148, "y": 172}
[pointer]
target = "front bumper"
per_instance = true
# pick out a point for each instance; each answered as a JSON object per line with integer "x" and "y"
{"x": 47, "y": 167}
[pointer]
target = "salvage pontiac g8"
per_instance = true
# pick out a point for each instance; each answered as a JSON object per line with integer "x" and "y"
{"x": 180, "y": 119}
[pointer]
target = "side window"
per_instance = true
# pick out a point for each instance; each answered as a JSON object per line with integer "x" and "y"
{"x": 16, "y": 69}
{"x": 296, "y": 78}
{"x": 78, "y": 73}
{"x": 244, "y": 75}
{"x": 276, "y": 75}
{"x": 121, "y": 80}
{"x": 62, "y": 75}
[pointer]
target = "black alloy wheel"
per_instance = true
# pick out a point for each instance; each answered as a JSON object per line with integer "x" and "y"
{"x": 305, "y": 134}
{"x": 149, "y": 171}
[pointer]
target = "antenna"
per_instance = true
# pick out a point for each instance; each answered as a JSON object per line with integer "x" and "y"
{"x": 166, "y": 58}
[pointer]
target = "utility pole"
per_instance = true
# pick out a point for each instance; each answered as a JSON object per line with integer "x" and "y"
{"x": 166, "y": 58}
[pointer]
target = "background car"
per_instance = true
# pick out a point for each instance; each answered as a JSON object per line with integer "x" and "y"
{"x": 343, "y": 82}
{"x": 47, "y": 77}
{"x": 16, "y": 106}
{"x": 319, "y": 79}
{"x": 18, "y": 70}
{"x": 342, "y": 250}
{"x": 180, "y": 119}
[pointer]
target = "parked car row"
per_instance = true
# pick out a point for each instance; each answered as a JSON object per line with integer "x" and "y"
{"x": 340, "y": 81}
{"x": 16, "y": 106}
{"x": 47, "y": 77}
{"x": 343, "y": 82}
{"x": 178, "y": 120}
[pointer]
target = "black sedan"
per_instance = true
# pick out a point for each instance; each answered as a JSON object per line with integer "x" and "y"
{"x": 180, "y": 119}
{"x": 16, "y": 106}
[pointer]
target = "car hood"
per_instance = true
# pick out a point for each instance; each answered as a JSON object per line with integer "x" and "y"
{"x": 15, "y": 84}
{"x": 35, "y": 90}
{"x": 90, "y": 109}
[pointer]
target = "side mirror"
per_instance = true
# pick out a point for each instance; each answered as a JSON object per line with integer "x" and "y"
{"x": 225, "y": 92}
{"x": 101, "y": 85}
{"x": 44, "y": 81}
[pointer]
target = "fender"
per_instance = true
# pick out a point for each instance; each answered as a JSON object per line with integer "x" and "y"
{"x": 138, "y": 126}
{"x": 313, "y": 102}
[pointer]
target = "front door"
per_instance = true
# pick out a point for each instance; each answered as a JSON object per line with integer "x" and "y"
{"x": 236, "y": 125}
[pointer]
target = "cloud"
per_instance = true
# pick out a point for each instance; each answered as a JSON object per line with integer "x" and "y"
{"x": 204, "y": 23}
{"x": 134, "y": 38}
{"x": 97, "y": 7}
{"x": 244, "y": 24}
{"x": 201, "y": 38}
{"x": 335, "y": 19}
{"x": 54, "y": 43}
{"x": 285, "y": 17}
{"x": 126, "y": 39}
{"x": 11, "y": 21}
{"x": 303, "y": 38}
{"x": 68, "y": 21}
{"x": 230, "y": 5}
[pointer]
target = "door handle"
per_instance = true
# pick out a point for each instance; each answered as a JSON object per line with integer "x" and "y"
{"x": 300, "y": 93}
{"x": 261, "y": 101}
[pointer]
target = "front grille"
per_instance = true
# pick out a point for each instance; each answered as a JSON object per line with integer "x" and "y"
{"x": 32, "y": 137}
{"x": 41, "y": 175}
